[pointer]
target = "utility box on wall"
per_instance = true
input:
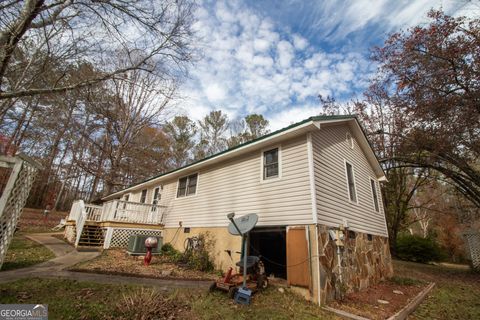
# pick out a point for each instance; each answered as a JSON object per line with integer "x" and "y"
{"x": 136, "y": 245}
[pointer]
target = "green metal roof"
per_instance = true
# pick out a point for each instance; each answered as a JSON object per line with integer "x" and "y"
{"x": 314, "y": 118}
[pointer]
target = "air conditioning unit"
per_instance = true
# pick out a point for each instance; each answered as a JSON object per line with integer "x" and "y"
{"x": 136, "y": 245}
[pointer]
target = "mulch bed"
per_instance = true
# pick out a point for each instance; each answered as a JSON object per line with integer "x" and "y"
{"x": 118, "y": 262}
{"x": 365, "y": 302}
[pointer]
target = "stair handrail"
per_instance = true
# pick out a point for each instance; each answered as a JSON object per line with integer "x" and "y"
{"x": 80, "y": 221}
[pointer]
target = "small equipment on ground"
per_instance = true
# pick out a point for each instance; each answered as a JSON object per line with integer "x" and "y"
{"x": 251, "y": 277}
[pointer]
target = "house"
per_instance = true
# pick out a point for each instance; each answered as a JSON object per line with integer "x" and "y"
{"x": 310, "y": 183}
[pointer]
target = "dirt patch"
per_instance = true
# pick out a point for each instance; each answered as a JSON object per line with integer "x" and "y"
{"x": 117, "y": 261}
{"x": 398, "y": 292}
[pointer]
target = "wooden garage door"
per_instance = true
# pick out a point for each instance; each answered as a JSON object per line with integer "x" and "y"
{"x": 298, "y": 272}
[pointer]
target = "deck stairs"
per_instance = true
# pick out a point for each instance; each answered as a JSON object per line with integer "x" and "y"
{"x": 92, "y": 237}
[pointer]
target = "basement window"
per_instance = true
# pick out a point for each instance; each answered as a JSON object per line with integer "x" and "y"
{"x": 187, "y": 185}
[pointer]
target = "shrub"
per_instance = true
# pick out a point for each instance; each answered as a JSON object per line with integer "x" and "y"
{"x": 146, "y": 303}
{"x": 201, "y": 257}
{"x": 169, "y": 251}
{"x": 418, "y": 249}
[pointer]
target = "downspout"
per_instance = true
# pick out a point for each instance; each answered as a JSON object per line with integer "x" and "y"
{"x": 313, "y": 194}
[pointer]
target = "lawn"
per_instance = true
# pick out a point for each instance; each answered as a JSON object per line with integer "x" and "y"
{"x": 82, "y": 300}
{"x": 32, "y": 220}
{"x": 24, "y": 253}
{"x": 456, "y": 296}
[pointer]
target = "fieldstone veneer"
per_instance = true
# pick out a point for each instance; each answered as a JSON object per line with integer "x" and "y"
{"x": 364, "y": 262}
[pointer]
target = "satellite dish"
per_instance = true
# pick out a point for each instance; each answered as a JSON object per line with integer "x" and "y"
{"x": 244, "y": 224}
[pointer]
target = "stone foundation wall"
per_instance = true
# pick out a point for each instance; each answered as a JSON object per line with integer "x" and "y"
{"x": 365, "y": 260}
{"x": 69, "y": 233}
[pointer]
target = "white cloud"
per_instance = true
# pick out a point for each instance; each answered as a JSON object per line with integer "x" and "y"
{"x": 299, "y": 42}
{"x": 252, "y": 63}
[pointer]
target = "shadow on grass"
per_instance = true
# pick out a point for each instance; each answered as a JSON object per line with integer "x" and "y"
{"x": 24, "y": 253}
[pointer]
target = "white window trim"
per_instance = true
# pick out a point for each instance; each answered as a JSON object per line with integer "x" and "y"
{"x": 373, "y": 198}
{"x": 160, "y": 189}
{"x": 196, "y": 189}
{"x": 354, "y": 181}
{"x": 271, "y": 179}
{"x": 146, "y": 196}
{"x": 349, "y": 139}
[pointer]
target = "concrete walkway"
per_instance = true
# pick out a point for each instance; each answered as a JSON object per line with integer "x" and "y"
{"x": 67, "y": 256}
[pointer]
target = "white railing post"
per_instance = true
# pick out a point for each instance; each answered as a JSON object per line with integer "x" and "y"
{"x": 108, "y": 238}
{"x": 80, "y": 221}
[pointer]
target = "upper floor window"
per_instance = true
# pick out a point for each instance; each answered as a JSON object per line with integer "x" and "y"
{"x": 349, "y": 139}
{"x": 187, "y": 185}
{"x": 143, "y": 197}
{"x": 374, "y": 193}
{"x": 351, "y": 182}
{"x": 156, "y": 195}
{"x": 270, "y": 164}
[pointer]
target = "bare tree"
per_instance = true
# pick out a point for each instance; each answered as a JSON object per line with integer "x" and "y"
{"x": 33, "y": 33}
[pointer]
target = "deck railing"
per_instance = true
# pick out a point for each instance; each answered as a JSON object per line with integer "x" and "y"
{"x": 134, "y": 212}
{"x": 117, "y": 211}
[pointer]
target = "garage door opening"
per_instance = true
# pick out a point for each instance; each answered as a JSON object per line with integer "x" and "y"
{"x": 270, "y": 243}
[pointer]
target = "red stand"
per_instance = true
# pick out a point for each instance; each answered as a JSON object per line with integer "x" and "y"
{"x": 148, "y": 257}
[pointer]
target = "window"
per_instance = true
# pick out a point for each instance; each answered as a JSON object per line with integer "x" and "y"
{"x": 156, "y": 195}
{"x": 143, "y": 197}
{"x": 270, "y": 164}
{"x": 374, "y": 193}
{"x": 351, "y": 182}
{"x": 349, "y": 139}
{"x": 125, "y": 198}
{"x": 187, "y": 185}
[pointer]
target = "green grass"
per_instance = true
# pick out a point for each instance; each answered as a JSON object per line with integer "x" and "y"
{"x": 270, "y": 304}
{"x": 23, "y": 252}
{"x": 68, "y": 299}
{"x": 456, "y": 295}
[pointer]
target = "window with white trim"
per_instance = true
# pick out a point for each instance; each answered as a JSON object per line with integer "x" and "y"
{"x": 374, "y": 194}
{"x": 187, "y": 185}
{"x": 351, "y": 182}
{"x": 143, "y": 196}
{"x": 349, "y": 139}
{"x": 270, "y": 164}
{"x": 157, "y": 195}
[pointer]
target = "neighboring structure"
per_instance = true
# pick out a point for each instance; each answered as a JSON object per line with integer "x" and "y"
{"x": 472, "y": 244}
{"x": 17, "y": 174}
{"x": 307, "y": 181}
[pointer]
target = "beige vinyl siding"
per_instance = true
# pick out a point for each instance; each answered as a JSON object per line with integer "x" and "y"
{"x": 237, "y": 186}
{"x": 330, "y": 151}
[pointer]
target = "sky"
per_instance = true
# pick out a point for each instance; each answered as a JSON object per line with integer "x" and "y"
{"x": 276, "y": 57}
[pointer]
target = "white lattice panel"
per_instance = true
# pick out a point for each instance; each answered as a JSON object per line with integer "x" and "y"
{"x": 120, "y": 236}
{"x": 473, "y": 243}
{"x": 13, "y": 200}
